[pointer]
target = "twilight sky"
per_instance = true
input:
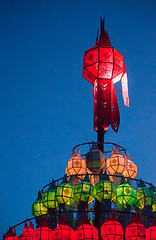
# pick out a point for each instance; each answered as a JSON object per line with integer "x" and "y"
{"x": 47, "y": 107}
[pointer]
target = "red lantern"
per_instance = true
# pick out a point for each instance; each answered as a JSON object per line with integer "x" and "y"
{"x": 63, "y": 232}
{"x": 27, "y": 232}
{"x": 103, "y": 66}
{"x": 111, "y": 230}
{"x": 43, "y": 232}
{"x": 151, "y": 232}
{"x": 86, "y": 231}
{"x": 135, "y": 230}
{"x": 10, "y": 235}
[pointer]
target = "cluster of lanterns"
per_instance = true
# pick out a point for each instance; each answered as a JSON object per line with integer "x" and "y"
{"x": 110, "y": 229}
{"x": 65, "y": 194}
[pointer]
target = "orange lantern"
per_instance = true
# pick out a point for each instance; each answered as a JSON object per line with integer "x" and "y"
{"x": 76, "y": 165}
{"x": 112, "y": 230}
{"x": 135, "y": 230}
{"x": 63, "y": 232}
{"x": 116, "y": 163}
{"x": 131, "y": 168}
{"x": 86, "y": 231}
{"x": 27, "y": 232}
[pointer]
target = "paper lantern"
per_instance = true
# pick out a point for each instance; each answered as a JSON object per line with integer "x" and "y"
{"x": 42, "y": 233}
{"x": 151, "y": 233}
{"x": 84, "y": 191}
{"x": 105, "y": 189}
{"x": 116, "y": 163}
{"x": 38, "y": 208}
{"x": 49, "y": 197}
{"x": 135, "y": 231}
{"x": 64, "y": 192}
{"x": 10, "y": 235}
{"x": 86, "y": 231}
{"x": 76, "y": 165}
{"x": 95, "y": 159}
{"x": 131, "y": 168}
{"x": 125, "y": 194}
{"x": 145, "y": 196}
{"x": 27, "y": 232}
{"x": 63, "y": 232}
{"x": 112, "y": 230}
{"x": 103, "y": 66}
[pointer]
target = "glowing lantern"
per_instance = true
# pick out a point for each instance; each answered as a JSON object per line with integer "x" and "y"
{"x": 116, "y": 163}
{"x": 64, "y": 192}
{"x": 131, "y": 168}
{"x": 125, "y": 194}
{"x": 151, "y": 231}
{"x": 111, "y": 230}
{"x": 135, "y": 230}
{"x": 27, "y": 232}
{"x": 145, "y": 196}
{"x": 43, "y": 233}
{"x": 10, "y": 235}
{"x": 105, "y": 189}
{"x": 86, "y": 231}
{"x": 76, "y": 165}
{"x": 49, "y": 197}
{"x": 63, "y": 232}
{"x": 95, "y": 159}
{"x": 103, "y": 66}
{"x": 84, "y": 191}
{"x": 38, "y": 208}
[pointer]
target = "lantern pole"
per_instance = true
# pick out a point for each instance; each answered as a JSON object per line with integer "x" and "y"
{"x": 100, "y": 138}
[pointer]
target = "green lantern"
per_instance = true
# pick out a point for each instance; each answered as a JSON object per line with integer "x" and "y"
{"x": 125, "y": 193}
{"x": 64, "y": 192}
{"x": 84, "y": 191}
{"x": 145, "y": 195}
{"x": 105, "y": 189}
{"x": 38, "y": 208}
{"x": 49, "y": 197}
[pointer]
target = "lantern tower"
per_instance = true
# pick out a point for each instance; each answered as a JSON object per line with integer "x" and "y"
{"x": 99, "y": 196}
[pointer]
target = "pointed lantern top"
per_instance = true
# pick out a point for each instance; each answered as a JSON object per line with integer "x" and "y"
{"x": 103, "y": 38}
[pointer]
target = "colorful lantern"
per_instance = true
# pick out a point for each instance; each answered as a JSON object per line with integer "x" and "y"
{"x": 27, "y": 232}
{"x": 86, "y": 231}
{"x": 10, "y": 235}
{"x": 105, "y": 189}
{"x": 135, "y": 230}
{"x": 111, "y": 230}
{"x": 151, "y": 232}
{"x": 76, "y": 165}
{"x": 42, "y": 233}
{"x": 64, "y": 192}
{"x": 49, "y": 197}
{"x": 63, "y": 232}
{"x": 116, "y": 163}
{"x": 38, "y": 208}
{"x": 95, "y": 159}
{"x": 103, "y": 66}
{"x": 84, "y": 191}
{"x": 125, "y": 194}
{"x": 145, "y": 196}
{"x": 131, "y": 168}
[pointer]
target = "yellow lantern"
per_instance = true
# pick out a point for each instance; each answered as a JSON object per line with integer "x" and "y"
{"x": 116, "y": 163}
{"x": 131, "y": 168}
{"x": 76, "y": 165}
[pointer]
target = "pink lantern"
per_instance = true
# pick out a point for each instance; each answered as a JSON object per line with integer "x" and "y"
{"x": 151, "y": 232}
{"x": 43, "y": 232}
{"x": 86, "y": 231}
{"x": 10, "y": 235}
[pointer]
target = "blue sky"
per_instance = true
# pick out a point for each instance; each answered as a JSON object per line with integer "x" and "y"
{"x": 46, "y": 105}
